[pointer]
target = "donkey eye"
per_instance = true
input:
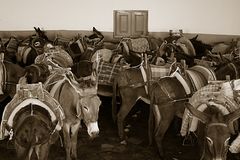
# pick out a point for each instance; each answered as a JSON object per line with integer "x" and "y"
{"x": 86, "y": 108}
{"x": 37, "y": 44}
{"x": 209, "y": 140}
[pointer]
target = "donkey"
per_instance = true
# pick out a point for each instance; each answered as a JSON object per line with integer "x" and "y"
{"x": 167, "y": 95}
{"x": 31, "y": 47}
{"x": 231, "y": 68}
{"x": 168, "y": 99}
{"x": 78, "y": 104}
{"x": 33, "y": 133}
{"x": 215, "y": 134}
{"x": 10, "y": 75}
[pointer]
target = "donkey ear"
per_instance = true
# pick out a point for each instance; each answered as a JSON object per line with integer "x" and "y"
{"x": 195, "y": 38}
{"x": 203, "y": 117}
{"x": 232, "y": 116}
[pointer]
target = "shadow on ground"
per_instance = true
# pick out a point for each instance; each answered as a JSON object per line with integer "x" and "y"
{"x": 107, "y": 146}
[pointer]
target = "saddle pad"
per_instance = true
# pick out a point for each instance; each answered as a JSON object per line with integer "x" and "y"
{"x": 56, "y": 55}
{"x": 26, "y": 95}
{"x": 159, "y": 71}
{"x": 197, "y": 79}
{"x": 208, "y": 73}
{"x": 203, "y": 96}
{"x": 182, "y": 81}
{"x": 60, "y": 76}
{"x": 139, "y": 45}
{"x": 12, "y": 45}
{"x": 22, "y": 53}
{"x": 103, "y": 54}
{"x": 107, "y": 72}
{"x": 187, "y": 46}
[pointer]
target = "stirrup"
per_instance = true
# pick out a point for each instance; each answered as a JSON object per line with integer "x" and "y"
{"x": 190, "y": 139}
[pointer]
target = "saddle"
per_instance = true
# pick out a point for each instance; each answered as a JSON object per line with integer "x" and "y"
{"x": 186, "y": 45}
{"x": 219, "y": 94}
{"x": 138, "y": 45}
{"x": 30, "y": 94}
{"x": 56, "y": 55}
{"x": 59, "y": 76}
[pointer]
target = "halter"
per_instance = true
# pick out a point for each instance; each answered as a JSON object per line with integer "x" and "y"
{"x": 208, "y": 126}
{"x": 80, "y": 106}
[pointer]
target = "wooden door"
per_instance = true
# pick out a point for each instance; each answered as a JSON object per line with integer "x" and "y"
{"x": 130, "y": 23}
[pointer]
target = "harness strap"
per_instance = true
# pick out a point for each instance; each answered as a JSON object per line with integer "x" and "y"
{"x": 80, "y": 45}
{"x": 182, "y": 81}
{"x": 235, "y": 69}
{"x": 25, "y": 53}
{"x": 144, "y": 75}
{"x": 217, "y": 124}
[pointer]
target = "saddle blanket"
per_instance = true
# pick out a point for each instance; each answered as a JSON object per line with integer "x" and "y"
{"x": 159, "y": 71}
{"x": 30, "y": 94}
{"x": 107, "y": 72}
{"x": 214, "y": 93}
{"x": 139, "y": 45}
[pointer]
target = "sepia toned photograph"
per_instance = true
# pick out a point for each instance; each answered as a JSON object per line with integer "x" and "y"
{"x": 119, "y": 80}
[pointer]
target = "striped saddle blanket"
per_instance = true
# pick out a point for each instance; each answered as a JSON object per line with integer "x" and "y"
{"x": 107, "y": 71}
{"x": 159, "y": 71}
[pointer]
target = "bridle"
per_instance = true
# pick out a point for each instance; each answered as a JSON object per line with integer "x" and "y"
{"x": 214, "y": 124}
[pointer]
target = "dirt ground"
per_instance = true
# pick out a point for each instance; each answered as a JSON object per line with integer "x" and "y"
{"x": 107, "y": 146}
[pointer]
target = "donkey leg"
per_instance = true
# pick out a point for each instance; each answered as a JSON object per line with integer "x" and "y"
{"x": 166, "y": 119}
{"x": 123, "y": 112}
{"x": 42, "y": 151}
{"x": 67, "y": 140}
{"x": 74, "y": 136}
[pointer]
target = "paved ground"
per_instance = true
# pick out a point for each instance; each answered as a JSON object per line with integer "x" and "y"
{"x": 107, "y": 146}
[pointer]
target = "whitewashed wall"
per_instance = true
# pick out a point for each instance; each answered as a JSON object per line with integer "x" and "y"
{"x": 193, "y": 16}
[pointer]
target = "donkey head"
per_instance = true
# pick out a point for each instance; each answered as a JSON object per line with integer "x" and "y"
{"x": 217, "y": 131}
{"x": 89, "y": 111}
